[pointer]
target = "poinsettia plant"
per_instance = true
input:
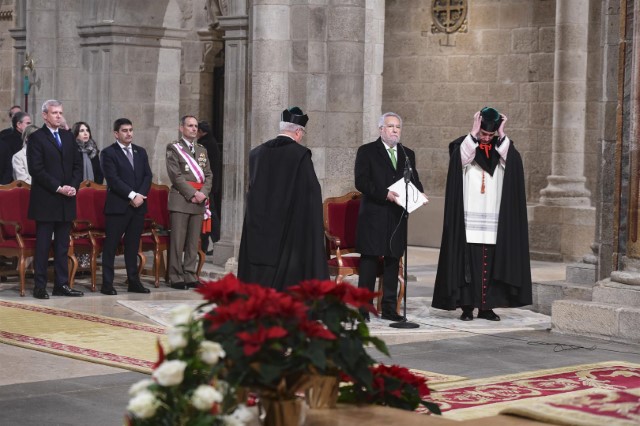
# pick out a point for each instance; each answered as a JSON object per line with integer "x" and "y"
{"x": 393, "y": 386}
{"x": 270, "y": 340}
{"x": 185, "y": 388}
{"x": 339, "y": 307}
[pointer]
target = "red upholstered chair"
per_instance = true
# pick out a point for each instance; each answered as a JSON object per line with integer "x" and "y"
{"x": 340, "y": 223}
{"x": 157, "y": 231}
{"x": 88, "y": 232}
{"x": 17, "y": 232}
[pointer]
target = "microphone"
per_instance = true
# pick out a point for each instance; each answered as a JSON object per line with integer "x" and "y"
{"x": 408, "y": 171}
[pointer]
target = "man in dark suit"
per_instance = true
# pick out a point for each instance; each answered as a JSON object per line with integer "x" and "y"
{"x": 128, "y": 175}
{"x": 382, "y": 224}
{"x": 56, "y": 171}
{"x": 10, "y": 143}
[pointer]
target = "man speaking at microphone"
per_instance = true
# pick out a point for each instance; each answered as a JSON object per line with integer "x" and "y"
{"x": 382, "y": 225}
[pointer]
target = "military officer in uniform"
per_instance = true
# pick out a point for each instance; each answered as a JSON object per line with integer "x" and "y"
{"x": 191, "y": 180}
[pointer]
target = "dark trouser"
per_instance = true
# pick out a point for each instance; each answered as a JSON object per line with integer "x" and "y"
{"x": 367, "y": 279}
{"x": 130, "y": 224}
{"x": 44, "y": 232}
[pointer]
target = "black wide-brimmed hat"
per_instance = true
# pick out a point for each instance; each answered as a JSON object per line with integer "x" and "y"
{"x": 294, "y": 115}
{"x": 490, "y": 119}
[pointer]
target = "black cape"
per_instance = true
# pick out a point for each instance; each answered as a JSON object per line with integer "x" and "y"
{"x": 283, "y": 235}
{"x": 512, "y": 267}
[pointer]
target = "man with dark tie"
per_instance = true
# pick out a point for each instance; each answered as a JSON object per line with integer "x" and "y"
{"x": 382, "y": 224}
{"x": 56, "y": 171}
{"x": 128, "y": 175}
{"x": 191, "y": 179}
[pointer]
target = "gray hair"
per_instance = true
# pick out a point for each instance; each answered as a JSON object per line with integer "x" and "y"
{"x": 27, "y": 132}
{"x": 50, "y": 103}
{"x": 388, "y": 114}
{"x": 183, "y": 119}
{"x": 285, "y": 126}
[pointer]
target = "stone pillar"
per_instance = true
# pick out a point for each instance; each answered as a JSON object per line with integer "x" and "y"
{"x": 133, "y": 72}
{"x": 236, "y": 144}
{"x": 562, "y": 224}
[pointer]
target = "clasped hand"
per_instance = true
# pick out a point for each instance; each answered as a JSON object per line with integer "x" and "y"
{"x": 137, "y": 200}
{"x": 198, "y": 197}
{"x": 67, "y": 190}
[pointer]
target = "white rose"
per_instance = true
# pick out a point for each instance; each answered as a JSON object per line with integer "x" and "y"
{"x": 176, "y": 338}
{"x": 211, "y": 352}
{"x": 231, "y": 421}
{"x": 204, "y": 397}
{"x": 170, "y": 373}
{"x": 140, "y": 386}
{"x": 181, "y": 314}
{"x": 242, "y": 414}
{"x": 143, "y": 405}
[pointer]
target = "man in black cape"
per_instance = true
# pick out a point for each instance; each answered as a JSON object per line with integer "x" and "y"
{"x": 282, "y": 235}
{"x": 484, "y": 254}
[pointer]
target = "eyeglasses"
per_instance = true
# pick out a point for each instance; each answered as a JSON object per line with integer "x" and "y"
{"x": 304, "y": 132}
{"x": 391, "y": 126}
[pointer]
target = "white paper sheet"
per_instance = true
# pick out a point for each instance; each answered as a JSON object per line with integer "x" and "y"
{"x": 416, "y": 198}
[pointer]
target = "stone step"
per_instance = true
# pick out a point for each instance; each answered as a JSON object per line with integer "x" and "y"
{"x": 546, "y": 292}
{"x": 599, "y": 320}
{"x": 581, "y": 273}
{"x": 615, "y": 293}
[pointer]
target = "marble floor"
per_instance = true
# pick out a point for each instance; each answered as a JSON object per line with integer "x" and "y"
{"x": 38, "y": 388}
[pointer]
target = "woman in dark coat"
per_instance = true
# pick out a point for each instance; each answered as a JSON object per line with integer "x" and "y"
{"x": 91, "y": 169}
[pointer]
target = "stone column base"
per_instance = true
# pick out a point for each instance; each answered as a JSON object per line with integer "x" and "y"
{"x": 222, "y": 251}
{"x": 560, "y": 233}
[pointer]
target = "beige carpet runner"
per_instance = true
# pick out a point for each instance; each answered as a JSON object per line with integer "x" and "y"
{"x": 88, "y": 337}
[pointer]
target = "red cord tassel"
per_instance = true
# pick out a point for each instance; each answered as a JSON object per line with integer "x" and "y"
{"x": 482, "y": 187}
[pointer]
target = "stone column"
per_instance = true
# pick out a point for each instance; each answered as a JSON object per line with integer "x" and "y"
{"x": 235, "y": 24}
{"x": 132, "y": 72}
{"x": 562, "y": 224}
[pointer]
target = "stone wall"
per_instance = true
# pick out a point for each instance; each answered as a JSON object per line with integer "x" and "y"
{"x": 436, "y": 83}
{"x": 7, "y": 97}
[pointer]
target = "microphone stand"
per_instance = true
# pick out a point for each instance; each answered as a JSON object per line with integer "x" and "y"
{"x": 407, "y": 178}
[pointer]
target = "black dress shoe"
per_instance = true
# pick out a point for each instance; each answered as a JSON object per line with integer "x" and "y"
{"x": 193, "y": 284}
{"x": 108, "y": 290}
{"x": 467, "y": 316}
{"x": 40, "y": 293}
{"x": 488, "y": 315}
{"x": 209, "y": 252}
{"x": 179, "y": 286}
{"x": 392, "y": 316}
{"x": 137, "y": 288}
{"x": 65, "y": 290}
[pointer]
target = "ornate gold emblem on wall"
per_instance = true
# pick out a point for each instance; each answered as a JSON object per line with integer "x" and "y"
{"x": 449, "y": 16}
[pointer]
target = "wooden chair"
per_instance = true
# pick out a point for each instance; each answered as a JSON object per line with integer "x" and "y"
{"x": 340, "y": 223}
{"x": 157, "y": 233}
{"x": 18, "y": 233}
{"x": 88, "y": 232}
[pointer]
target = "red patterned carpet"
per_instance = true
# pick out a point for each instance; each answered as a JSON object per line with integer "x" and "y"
{"x": 568, "y": 390}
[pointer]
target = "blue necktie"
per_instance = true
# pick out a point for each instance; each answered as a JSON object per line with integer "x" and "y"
{"x": 58, "y": 141}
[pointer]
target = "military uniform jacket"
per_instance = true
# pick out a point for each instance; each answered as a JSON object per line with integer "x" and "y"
{"x": 180, "y": 174}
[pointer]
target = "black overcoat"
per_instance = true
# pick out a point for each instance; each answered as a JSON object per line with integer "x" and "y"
{"x": 283, "y": 235}
{"x": 381, "y": 227}
{"x": 51, "y": 168}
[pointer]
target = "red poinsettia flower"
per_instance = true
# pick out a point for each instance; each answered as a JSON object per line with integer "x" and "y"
{"x": 354, "y": 296}
{"x": 160, "y": 354}
{"x": 315, "y": 329}
{"x": 312, "y": 289}
{"x": 221, "y": 291}
{"x": 252, "y": 342}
